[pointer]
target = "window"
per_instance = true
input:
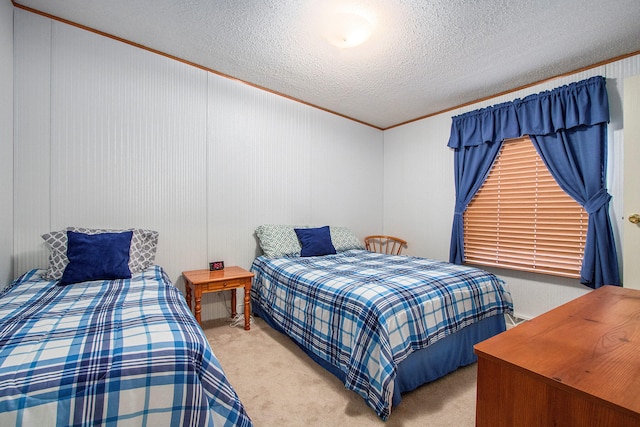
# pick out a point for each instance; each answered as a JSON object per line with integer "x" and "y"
{"x": 521, "y": 219}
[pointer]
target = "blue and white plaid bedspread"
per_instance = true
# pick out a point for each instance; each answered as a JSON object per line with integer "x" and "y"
{"x": 366, "y": 312}
{"x": 125, "y": 352}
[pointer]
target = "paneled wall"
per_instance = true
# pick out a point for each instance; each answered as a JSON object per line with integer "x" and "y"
{"x": 419, "y": 187}
{"x": 109, "y": 135}
{"x": 6, "y": 140}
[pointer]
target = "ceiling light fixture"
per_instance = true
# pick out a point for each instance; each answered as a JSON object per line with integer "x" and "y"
{"x": 348, "y": 28}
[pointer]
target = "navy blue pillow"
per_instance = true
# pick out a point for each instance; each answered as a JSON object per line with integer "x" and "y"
{"x": 315, "y": 241}
{"x": 103, "y": 256}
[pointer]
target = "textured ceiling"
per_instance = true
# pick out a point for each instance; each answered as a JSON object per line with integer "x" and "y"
{"x": 424, "y": 56}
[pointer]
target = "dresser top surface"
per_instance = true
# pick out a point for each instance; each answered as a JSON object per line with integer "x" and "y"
{"x": 590, "y": 344}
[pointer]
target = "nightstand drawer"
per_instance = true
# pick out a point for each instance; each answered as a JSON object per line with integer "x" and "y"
{"x": 227, "y": 284}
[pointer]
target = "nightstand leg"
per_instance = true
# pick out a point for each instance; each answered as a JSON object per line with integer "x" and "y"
{"x": 198, "y": 296}
{"x": 233, "y": 304}
{"x": 247, "y": 307}
{"x": 188, "y": 295}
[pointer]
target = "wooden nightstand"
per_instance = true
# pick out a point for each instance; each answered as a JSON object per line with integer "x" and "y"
{"x": 230, "y": 278}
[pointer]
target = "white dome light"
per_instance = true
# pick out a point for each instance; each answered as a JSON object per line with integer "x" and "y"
{"x": 348, "y": 29}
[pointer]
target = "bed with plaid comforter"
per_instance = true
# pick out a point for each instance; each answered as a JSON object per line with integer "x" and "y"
{"x": 113, "y": 352}
{"x": 365, "y": 312}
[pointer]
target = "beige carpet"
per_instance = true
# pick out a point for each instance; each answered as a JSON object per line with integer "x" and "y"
{"x": 280, "y": 385}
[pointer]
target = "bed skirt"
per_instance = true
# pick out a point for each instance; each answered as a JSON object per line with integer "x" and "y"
{"x": 426, "y": 365}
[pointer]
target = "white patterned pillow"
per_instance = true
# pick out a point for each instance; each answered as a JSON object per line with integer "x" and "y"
{"x": 142, "y": 252}
{"x": 281, "y": 240}
{"x": 343, "y": 239}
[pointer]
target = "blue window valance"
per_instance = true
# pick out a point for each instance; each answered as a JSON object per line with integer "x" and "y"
{"x": 567, "y": 126}
{"x": 577, "y": 104}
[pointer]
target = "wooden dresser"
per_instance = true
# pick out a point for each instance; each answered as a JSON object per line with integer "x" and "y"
{"x": 577, "y": 365}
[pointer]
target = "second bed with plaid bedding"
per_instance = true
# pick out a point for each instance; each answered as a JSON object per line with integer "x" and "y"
{"x": 366, "y": 312}
{"x": 113, "y": 352}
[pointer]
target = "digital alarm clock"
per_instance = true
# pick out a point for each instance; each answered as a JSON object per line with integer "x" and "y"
{"x": 216, "y": 265}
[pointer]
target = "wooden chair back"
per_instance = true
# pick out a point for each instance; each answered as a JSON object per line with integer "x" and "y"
{"x": 385, "y": 244}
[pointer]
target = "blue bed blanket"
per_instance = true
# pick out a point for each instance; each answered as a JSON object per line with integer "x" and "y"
{"x": 366, "y": 312}
{"x": 115, "y": 352}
